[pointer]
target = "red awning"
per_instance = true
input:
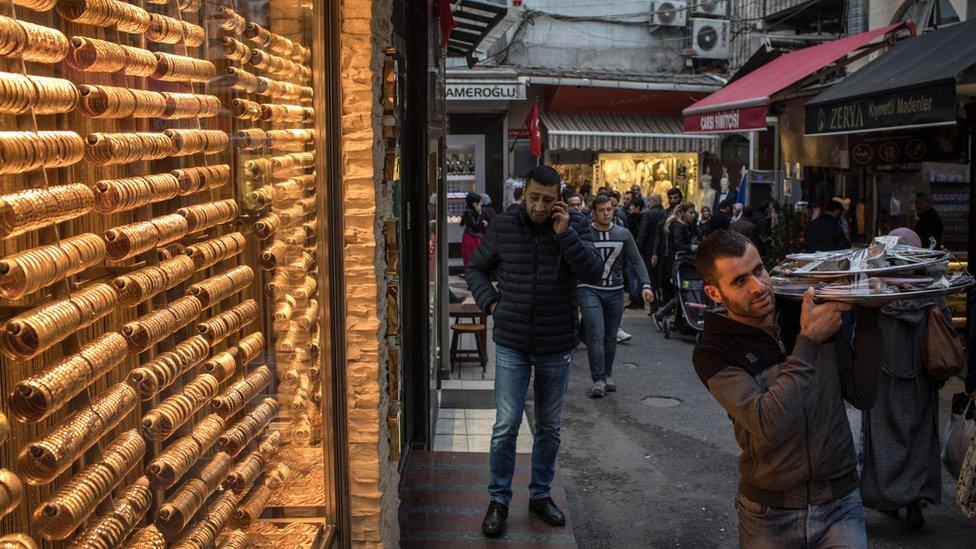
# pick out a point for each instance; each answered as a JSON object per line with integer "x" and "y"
{"x": 742, "y": 105}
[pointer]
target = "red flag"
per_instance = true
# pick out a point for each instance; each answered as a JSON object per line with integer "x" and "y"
{"x": 447, "y": 20}
{"x": 535, "y": 131}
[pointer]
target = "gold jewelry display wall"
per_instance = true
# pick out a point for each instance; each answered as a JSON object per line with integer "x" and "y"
{"x": 159, "y": 313}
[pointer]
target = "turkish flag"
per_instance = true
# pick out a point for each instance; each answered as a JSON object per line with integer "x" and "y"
{"x": 447, "y": 20}
{"x": 535, "y": 132}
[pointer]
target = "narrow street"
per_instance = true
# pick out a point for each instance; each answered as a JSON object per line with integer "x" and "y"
{"x": 642, "y": 470}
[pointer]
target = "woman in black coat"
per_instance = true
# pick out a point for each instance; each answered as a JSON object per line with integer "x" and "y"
{"x": 474, "y": 223}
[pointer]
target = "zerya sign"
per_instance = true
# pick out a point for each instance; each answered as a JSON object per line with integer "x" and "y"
{"x": 931, "y": 105}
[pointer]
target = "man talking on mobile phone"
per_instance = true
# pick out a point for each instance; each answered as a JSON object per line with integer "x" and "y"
{"x": 798, "y": 482}
{"x": 540, "y": 252}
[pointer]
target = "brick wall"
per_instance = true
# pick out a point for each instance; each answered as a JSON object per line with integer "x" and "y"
{"x": 365, "y": 30}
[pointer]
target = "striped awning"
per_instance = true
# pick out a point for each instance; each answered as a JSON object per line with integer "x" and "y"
{"x": 623, "y": 133}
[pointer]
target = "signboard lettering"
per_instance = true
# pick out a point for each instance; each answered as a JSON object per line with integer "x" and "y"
{"x": 484, "y": 92}
{"x": 918, "y": 106}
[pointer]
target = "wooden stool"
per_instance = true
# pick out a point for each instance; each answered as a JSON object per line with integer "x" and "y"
{"x": 469, "y": 355}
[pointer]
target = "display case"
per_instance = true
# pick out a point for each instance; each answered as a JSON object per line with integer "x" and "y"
{"x": 160, "y": 372}
{"x": 465, "y": 170}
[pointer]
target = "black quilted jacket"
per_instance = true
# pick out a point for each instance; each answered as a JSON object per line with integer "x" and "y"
{"x": 537, "y": 276}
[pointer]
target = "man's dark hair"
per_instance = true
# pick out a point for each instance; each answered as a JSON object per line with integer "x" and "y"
{"x": 747, "y": 212}
{"x": 629, "y": 192}
{"x": 601, "y": 198}
{"x": 718, "y": 245}
{"x": 604, "y": 193}
{"x": 637, "y": 201}
{"x": 923, "y": 196}
{"x": 586, "y": 188}
{"x": 517, "y": 193}
{"x": 567, "y": 192}
{"x": 614, "y": 194}
{"x": 834, "y": 207}
{"x": 725, "y": 205}
{"x": 703, "y": 208}
{"x": 543, "y": 175}
{"x": 763, "y": 207}
{"x": 675, "y": 191}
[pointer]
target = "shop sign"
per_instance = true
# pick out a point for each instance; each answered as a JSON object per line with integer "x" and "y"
{"x": 922, "y": 106}
{"x": 479, "y": 91}
{"x": 522, "y": 133}
{"x": 907, "y": 147}
{"x": 735, "y": 120}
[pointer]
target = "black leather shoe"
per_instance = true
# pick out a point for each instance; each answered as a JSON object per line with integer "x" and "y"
{"x": 494, "y": 523}
{"x": 547, "y": 510}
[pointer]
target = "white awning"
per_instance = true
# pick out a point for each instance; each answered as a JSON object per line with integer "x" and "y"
{"x": 623, "y": 133}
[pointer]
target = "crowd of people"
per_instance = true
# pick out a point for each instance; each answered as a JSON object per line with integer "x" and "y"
{"x": 559, "y": 267}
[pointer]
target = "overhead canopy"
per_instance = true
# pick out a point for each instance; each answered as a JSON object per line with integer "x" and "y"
{"x": 619, "y": 133}
{"x": 742, "y": 104}
{"x": 912, "y": 85}
{"x": 474, "y": 21}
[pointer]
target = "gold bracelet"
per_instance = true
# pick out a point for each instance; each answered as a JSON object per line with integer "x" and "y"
{"x": 251, "y": 138}
{"x": 167, "y": 30}
{"x": 30, "y": 270}
{"x": 242, "y": 391}
{"x": 219, "y": 287}
{"x": 251, "y": 507}
{"x": 27, "y": 151}
{"x": 11, "y": 491}
{"x": 208, "y": 215}
{"x": 219, "y": 327}
{"x": 110, "y": 529}
{"x": 188, "y": 142}
{"x": 30, "y": 42}
{"x": 179, "y": 457}
{"x": 241, "y": 433}
{"x": 229, "y": 20}
{"x": 162, "y": 421}
{"x": 210, "y": 252}
{"x": 119, "y": 195}
{"x": 178, "y": 68}
{"x": 138, "y": 286}
{"x": 160, "y": 372}
{"x": 147, "y": 538}
{"x": 106, "y": 149}
{"x": 94, "y": 55}
{"x": 149, "y": 329}
{"x": 193, "y": 180}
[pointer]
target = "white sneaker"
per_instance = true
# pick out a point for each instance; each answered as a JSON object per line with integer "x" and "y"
{"x": 622, "y": 335}
{"x": 610, "y": 385}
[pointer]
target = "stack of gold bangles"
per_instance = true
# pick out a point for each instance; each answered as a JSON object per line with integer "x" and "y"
{"x": 242, "y": 391}
{"x": 118, "y": 102}
{"x": 238, "y": 79}
{"x": 292, "y": 161}
{"x": 259, "y": 199}
{"x": 162, "y": 421}
{"x": 106, "y": 13}
{"x": 167, "y": 30}
{"x": 276, "y": 253}
{"x": 151, "y": 328}
{"x": 244, "y": 109}
{"x": 229, "y": 20}
{"x": 105, "y": 149}
{"x": 30, "y": 270}
{"x": 186, "y": 6}
{"x": 217, "y": 328}
{"x": 30, "y": 42}
{"x": 178, "y": 458}
{"x": 25, "y": 151}
{"x": 178, "y": 68}
{"x": 310, "y": 316}
{"x": 94, "y": 55}
{"x": 251, "y": 507}
{"x": 43, "y": 460}
{"x": 307, "y": 289}
{"x": 257, "y": 167}
{"x": 250, "y": 138}
{"x": 137, "y": 286}
{"x": 205, "y": 216}
{"x": 20, "y": 94}
{"x": 33, "y": 332}
{"x": 133, "y": 239}
{"x": 190, "y": 105}
{"x": 266, "y": 227}
{"x": 237, "y": 539}
{"x": 235, "y": 50}
{"x": 201, "y": 178}
{"x": 245, "y": 472}
{"x": 119, "y": 195}
{"x": 11, "y": 491}
{"x": 37, "y": 5}
{"x": 217, "y": 288}
{"x": 146, "y": 538}
{"x": 222, "y": 365}
{"x": 208, "y": 253}
{"x": 204, "y": 533}
{"x": 292, "y": 137}
{"x": 290, "y": 217}
{"x": 284, "y": 309}
{"x": 175, "y": 514}
{"x": 240, "y": 434}
{"x": 42, "y": 394}
{"x": 187, "y": 142}
{"x": 170, "y": 251}
{"x": 284, "y": 113}
{"x": 162, "y": 371}
{"x": 108, "y": 531}
{"x": 59, "y": 516}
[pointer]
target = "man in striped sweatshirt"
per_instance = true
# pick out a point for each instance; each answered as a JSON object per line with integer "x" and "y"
{"x": 602, "y": 304}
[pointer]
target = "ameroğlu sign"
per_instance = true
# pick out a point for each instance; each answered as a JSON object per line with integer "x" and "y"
{"x": 484, "y": 92}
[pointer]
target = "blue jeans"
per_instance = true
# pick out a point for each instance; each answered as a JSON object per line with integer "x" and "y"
{"x": 838, "y": 524}
{"x": 512, "y": 372}
{"x": 602, "y": 310}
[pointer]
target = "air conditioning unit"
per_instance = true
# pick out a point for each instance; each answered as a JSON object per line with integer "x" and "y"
{"x": 669, "y": 13}
{"x": 710, "y": 38}
{"x": 710, "y": 8}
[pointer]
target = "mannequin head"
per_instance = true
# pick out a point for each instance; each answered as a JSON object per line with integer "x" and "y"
{"x": 724, "y": 184}
{"x": 662, "y": 174}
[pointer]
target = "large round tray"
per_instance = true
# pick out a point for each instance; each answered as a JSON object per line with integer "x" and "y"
{"x": 871, "y": 271}
{"x": 878, "y": 298}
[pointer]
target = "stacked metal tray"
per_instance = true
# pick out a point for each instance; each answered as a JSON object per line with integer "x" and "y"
{"x": 887, "y": 270}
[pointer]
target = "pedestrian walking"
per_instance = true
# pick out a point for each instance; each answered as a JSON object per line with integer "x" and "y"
{"x": 743, "y": 223}
{"x": 517, "y": 199}
{"x": 651, "y": 221}
{"x": 602, "y": 304}
{"x": 540, "y": 253}
{"x": 632, "y": 278}
{"x": 681, "y": 236}
{"x": 902, "y": 453}
{"x": 474, "y": 223}
{"x": 825, "y": 233}
{"x": 929, "y": 225}
{"x": 487, "y": 212}
{"x": 798, "y": 485}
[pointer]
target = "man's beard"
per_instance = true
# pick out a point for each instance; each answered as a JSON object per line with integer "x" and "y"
{"x": 749, "y": 310}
